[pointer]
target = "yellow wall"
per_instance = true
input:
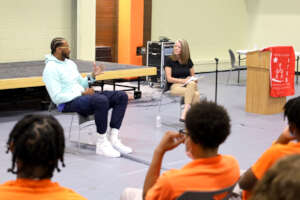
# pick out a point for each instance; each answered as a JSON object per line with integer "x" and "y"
{"x": 27, "y": 27}
{"x": 86, "y": 29}
{"x": 213, "y": 26}
{"x": 210, "y": 26}
{"x": 273, "y": 22}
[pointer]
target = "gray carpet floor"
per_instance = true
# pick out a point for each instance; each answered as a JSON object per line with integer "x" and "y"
{"x": 97, "y": 177}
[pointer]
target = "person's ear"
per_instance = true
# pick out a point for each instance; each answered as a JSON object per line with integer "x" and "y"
{"x": 11, "y": 146}
{"x": 293, "y": 128}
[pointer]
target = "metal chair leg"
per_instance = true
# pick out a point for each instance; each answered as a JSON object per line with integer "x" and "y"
{"x": 78, "y": 142}
{"x": 159, "y": 104}
{"x": 70, "y": 128}
{"x": 238, "y": 76}
{"x": 229, "y": 76}
{"x": 181, "y": 106}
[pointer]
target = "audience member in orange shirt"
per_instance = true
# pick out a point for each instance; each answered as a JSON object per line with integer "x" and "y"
{"x": 287, "y": 143}
{"x": 207, "y": 126}
{"x": 37, "y": 145}
{"x": 281, "y": 181}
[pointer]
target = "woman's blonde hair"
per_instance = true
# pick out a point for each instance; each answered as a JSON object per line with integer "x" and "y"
{"x": 185, "y": 52}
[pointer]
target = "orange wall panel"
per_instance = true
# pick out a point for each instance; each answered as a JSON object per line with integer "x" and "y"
{"x": 137, "y": 22}
{"x": 124, "y": 31}
{"x": 131, "y": 19}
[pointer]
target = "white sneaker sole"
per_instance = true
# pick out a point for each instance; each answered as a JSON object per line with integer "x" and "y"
{"x": 122, "y": 151}
{"x": 107, "y": 155}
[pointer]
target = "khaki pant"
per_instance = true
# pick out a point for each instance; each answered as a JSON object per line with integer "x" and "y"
{"x": 190, "y": 92}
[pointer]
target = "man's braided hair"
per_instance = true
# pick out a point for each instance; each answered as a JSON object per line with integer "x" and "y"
{"x": 56, "y": 42}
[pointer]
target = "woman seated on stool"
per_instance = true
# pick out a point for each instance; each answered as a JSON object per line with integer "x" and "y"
{"x": 179, "y": 69}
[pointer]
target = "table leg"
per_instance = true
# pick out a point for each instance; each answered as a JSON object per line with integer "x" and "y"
{"x": 139, "y": 85}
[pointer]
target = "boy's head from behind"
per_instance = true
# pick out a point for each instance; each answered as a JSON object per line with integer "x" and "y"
{"x": 208, "y": 124}
{"x": 37, "y": 143}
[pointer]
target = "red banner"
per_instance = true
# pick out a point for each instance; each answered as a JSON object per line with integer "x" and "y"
{"x": 282, "y": 71}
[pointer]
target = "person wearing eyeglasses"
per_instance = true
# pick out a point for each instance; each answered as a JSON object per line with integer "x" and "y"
{"x": 207, "y": 127}
{"x": 71, "y": 93}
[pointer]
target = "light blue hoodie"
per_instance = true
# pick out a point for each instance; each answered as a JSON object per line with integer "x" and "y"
{"x": 63, "y": 80}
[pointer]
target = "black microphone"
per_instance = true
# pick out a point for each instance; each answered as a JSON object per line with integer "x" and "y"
{"x": 217, "y": 60}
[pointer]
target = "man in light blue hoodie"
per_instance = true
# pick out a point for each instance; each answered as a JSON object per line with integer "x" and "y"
{"x": 70, "y": 92}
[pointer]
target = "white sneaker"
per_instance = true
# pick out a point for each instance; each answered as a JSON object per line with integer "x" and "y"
{"x": 104, "y": 147}
{"x": 116, "y": 142}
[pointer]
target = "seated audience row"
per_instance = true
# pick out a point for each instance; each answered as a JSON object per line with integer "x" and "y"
{"x": 37, "y": 145}
{"x": 281, "y": 181}
{"x": 286, "y": 144}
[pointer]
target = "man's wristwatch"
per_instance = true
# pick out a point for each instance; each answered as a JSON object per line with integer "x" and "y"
{"x": 89, "y": 79}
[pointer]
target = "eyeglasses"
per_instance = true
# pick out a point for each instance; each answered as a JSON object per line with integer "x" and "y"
{"x": 183, "y": 131}
{"x": 65, "y": 47}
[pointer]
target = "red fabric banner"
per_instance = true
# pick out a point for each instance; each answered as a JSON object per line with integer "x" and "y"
{"x": 282, "y": 71}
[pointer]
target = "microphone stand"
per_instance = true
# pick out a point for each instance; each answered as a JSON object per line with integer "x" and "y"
{"x": 216, "y": 86}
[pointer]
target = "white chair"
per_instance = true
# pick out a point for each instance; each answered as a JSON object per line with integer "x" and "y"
{"x": 166, "y": 93}
{"x": 83, "y": 122}
{"x": 234, "y": 67}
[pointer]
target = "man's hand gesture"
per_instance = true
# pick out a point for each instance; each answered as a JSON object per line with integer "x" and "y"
{"x": 88, "y": 91}
{"x": 97, "y": 70}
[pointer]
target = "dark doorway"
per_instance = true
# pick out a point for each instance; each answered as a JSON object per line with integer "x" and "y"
{"x": 107, "y": 30}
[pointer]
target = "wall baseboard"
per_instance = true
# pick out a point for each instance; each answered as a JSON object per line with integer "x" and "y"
{"x": 210, "y": 65}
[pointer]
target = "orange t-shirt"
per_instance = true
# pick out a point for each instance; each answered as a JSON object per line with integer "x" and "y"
{"x": 269, "y": 157}
{"x": 205, "y": 174}
{"x": 36, "y": 190}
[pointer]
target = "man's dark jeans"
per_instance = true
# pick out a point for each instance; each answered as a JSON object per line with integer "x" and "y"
{"x": 99, "y": 105}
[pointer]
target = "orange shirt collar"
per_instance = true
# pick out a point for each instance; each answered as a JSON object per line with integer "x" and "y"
{"x": 196, "y": 162}
{"x": 34, "y": 183}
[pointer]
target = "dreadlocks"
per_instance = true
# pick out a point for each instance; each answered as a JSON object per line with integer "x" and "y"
{"x": 37, "y": 141}
{"x": 56, "y": 42}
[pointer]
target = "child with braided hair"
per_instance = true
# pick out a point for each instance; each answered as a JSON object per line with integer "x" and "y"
{"x": 37, "y": 145}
